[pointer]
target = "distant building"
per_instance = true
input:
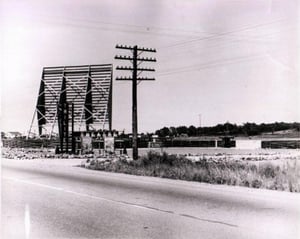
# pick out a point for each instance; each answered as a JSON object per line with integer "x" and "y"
{"x": 244, "y": 143}
{"x": 13, "y": 134}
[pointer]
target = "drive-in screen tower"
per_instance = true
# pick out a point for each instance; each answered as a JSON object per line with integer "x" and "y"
{"x": 74, "y": 98}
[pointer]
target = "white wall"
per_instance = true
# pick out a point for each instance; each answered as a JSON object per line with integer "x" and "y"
{"x": 248, "y": 143}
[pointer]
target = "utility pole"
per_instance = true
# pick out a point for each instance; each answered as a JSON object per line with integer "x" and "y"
{"x": 136, "y": 71}
{"x": 200, "y": 120}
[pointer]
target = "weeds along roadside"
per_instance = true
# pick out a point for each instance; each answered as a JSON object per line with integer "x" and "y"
{"x": 284, "y": 177}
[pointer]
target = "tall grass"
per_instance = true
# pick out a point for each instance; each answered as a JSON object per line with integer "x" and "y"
{"x": 284, "y": 177}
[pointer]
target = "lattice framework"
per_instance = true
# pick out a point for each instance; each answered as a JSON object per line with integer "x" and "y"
{"x": 88, "y": 87}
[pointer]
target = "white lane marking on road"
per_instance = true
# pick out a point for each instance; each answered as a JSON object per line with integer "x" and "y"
{"x": 73, "y": 192}
{"x": 109, "y": 200}
{"x": 27, "y": 221}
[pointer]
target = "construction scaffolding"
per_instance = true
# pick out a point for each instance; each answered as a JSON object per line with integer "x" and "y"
{"x": 82, "y": 94}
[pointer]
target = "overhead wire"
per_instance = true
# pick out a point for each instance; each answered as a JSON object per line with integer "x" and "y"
{"x": 119, "y": 27}
{"x": 213, "y": 36}
{"x": 146, "y": 29}
{"x": 178, "y": 44}
{"x": 231, "y": 42}
{"x": 213, "y": 64}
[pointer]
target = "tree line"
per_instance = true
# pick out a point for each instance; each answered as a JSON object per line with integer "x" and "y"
{"x": 247, "y": 129}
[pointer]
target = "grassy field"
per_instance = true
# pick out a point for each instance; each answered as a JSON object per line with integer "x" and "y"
{"x": 279, "y": 174}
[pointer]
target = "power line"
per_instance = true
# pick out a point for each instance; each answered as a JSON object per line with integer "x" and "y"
{"x": 147, "y": 30}
{"x": 166, "y": 58}
{"x": 213, "y": 64}
{"x": 220, "y": 34}
{"x": 119, "y": 27}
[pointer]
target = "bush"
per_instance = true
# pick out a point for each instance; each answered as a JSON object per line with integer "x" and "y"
{"x": 268, "y": 170}
{"x": 256, "y": 183}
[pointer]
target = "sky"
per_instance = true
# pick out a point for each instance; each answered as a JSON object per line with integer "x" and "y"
{"x": 217, "y": 60}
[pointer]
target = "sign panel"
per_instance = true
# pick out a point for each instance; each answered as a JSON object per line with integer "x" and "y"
{"x": 86, "y": 143}
{"x": 109, "y": 144}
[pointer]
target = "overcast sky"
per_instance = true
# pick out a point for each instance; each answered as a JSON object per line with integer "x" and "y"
{"x": 235, "y": 61}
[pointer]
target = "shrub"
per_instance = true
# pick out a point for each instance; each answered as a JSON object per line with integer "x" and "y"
{"x": 267, "y": 170}
{"x": 256, "y": 183}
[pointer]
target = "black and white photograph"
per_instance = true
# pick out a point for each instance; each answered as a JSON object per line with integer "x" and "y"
{"x": 154, "y": 119}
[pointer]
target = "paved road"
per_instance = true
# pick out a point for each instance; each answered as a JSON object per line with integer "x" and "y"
{"x": 55, "y": 199}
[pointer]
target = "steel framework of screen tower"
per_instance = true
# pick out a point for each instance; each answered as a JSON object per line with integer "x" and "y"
{"x": 80, "y": 94}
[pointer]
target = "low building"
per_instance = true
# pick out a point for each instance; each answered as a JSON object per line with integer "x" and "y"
{"x": 246, "y": 143}
{"x": 13, "y": 134}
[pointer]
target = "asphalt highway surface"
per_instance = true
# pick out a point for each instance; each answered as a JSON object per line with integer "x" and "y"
{"x": 57, "y": 199}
